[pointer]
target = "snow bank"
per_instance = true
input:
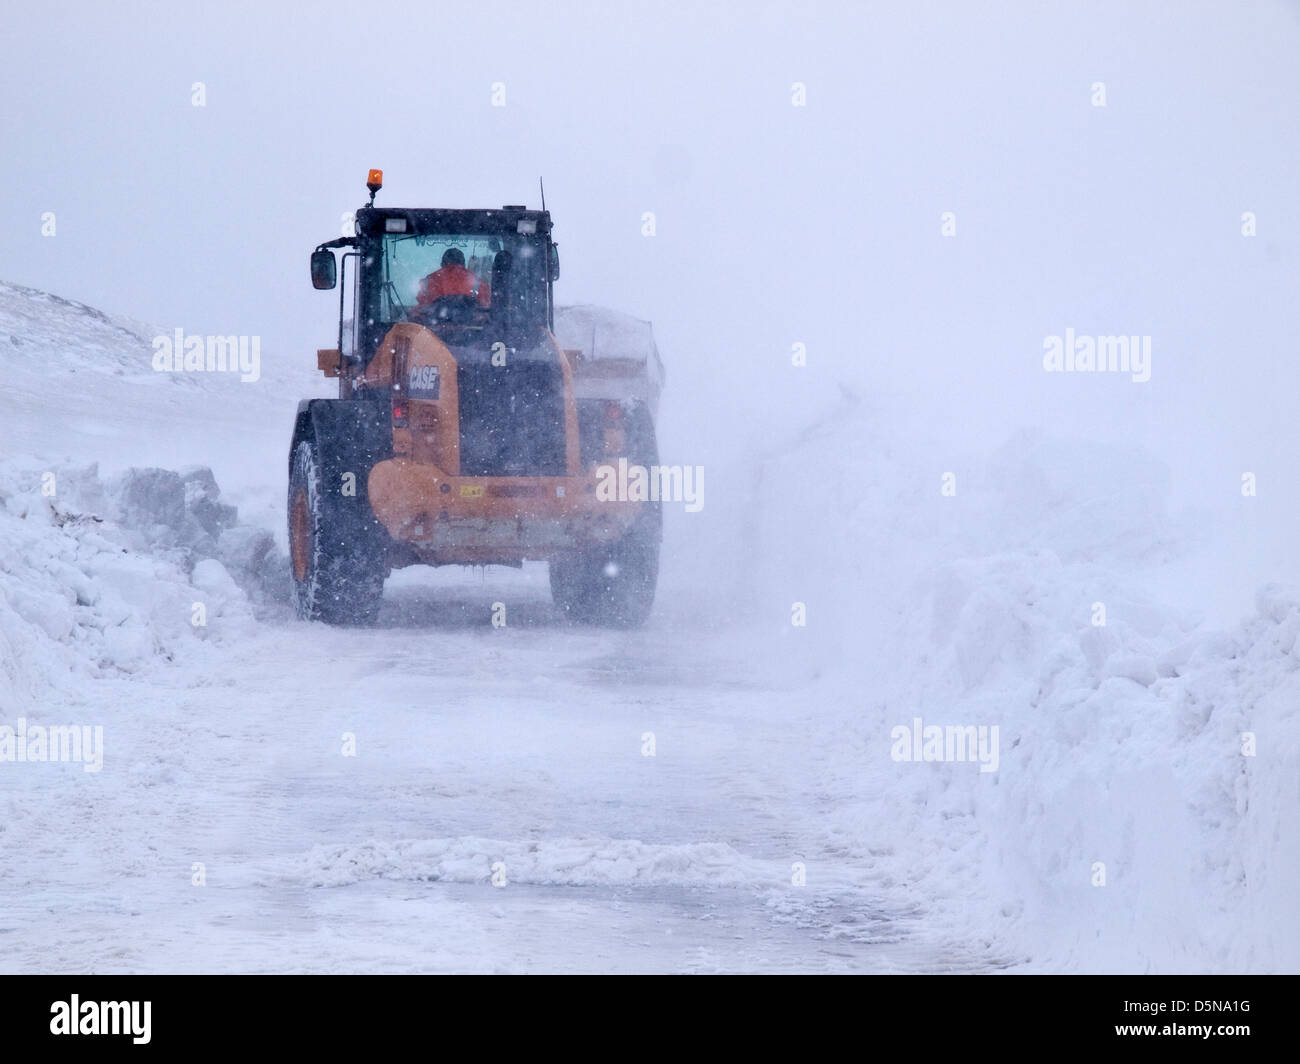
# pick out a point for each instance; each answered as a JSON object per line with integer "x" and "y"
{"x": 1030, "y": 599}
{"x": 116, "y": 578}
{"x": 64, "y": 337}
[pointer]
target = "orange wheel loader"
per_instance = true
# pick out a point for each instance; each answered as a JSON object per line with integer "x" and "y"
{"x": 463, "y": 433}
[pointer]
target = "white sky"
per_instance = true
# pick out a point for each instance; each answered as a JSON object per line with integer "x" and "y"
{"x": 776, "y": 224}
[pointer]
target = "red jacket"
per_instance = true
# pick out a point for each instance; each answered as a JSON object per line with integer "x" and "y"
{"x": 453, "y": 281}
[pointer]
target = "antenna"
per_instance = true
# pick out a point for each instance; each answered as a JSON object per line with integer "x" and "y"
{"x": 542, "y": 186}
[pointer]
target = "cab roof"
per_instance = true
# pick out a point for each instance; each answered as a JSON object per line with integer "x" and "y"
{"x": 374, "y": 221}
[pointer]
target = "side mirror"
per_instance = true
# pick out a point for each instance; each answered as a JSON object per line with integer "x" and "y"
{"x": 323, "y": 270}
{"x": 555, "y": 263}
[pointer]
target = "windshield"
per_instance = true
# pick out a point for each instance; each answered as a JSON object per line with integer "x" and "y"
{"x": 420, "y": 270}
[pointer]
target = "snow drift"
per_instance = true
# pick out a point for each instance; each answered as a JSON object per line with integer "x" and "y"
{"x": 1140, "y": 818}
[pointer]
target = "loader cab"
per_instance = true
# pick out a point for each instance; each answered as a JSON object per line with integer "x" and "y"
{"x": 509, "y": 253}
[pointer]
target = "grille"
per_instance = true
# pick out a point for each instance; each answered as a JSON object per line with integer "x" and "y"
{"x": 511, "y": 419}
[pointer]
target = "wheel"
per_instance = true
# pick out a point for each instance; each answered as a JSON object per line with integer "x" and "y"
{"x": 614, "y": 584}
{"x": 337, "y": 564}
{"x": 611, "y": 585}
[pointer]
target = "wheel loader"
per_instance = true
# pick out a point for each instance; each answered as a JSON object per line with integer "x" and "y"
{"x": 463, "y": 432}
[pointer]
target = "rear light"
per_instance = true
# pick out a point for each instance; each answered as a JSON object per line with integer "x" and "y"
{"x": 399, "y": 414}
{"x": 613, "y": 413}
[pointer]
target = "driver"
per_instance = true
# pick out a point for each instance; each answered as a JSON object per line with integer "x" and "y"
{"x": 453, "y": 280}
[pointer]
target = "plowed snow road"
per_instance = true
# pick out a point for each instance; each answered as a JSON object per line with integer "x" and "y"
{"x": 518, "y": 754}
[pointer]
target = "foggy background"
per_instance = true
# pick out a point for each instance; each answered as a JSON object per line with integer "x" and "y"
{"x": 776, "y": 224}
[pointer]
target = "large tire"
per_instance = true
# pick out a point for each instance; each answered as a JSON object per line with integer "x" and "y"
{"x": 337, "y": 566}
{"x": 613, "y": 585}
